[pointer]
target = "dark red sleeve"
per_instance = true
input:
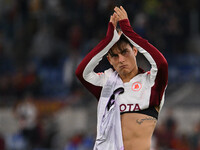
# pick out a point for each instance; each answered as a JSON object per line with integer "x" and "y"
{"x": 162, "y": 65}
{"x": 95, "y": 90}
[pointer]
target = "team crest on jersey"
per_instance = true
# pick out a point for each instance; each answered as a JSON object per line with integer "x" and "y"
{"x": 136, "y": 86}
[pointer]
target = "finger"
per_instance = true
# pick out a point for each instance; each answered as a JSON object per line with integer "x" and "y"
{"x": 111, "y": 18}
{"x": 116, "y": 18}
{"x": 118, "y": 11}
{"x": 116, "y": 15}
{"x": 123, "y": 10}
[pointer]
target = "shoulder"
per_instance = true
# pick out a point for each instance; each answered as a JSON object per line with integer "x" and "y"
{"x": 107, "y": 73}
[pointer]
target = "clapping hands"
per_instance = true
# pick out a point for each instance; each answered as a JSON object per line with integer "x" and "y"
{"x": 118, "y": 15}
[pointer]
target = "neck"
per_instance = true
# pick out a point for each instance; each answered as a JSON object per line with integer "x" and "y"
{"x": 127, "y": 77}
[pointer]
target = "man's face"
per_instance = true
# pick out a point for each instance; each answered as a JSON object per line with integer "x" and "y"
{"x": 123, "y": 59}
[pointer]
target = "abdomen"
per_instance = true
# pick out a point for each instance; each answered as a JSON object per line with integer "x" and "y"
{"x": 137, "y": 130}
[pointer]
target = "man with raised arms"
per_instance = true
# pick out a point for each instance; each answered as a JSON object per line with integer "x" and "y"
{"x": 130, "y": 99}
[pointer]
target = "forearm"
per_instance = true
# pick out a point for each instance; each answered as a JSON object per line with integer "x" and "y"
{"x": 85, "y": 71}
{"x": 88, "y": 73}
{"x": 156, "y": 59}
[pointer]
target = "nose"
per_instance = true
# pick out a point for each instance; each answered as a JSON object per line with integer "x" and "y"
{"x": 121, "y": 58}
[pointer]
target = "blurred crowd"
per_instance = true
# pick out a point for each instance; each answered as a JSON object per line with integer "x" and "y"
{"x": 42, "y": 42}
{"x": 32, "y": 136}
{"x": 165, "y": 137}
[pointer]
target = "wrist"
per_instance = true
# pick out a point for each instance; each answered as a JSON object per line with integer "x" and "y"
{"x": 124, "y": 22}
{"x": 110, "y": 30}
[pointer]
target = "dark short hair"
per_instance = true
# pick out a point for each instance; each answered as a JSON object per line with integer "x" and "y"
{"x": 122, "y": 39}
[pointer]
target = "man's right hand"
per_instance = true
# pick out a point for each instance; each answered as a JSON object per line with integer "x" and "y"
{"x": 114, "y": 19}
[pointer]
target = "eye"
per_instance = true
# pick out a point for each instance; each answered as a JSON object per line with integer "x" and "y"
{"x": 124, "y": 52}
{"x": 115, "y": 55}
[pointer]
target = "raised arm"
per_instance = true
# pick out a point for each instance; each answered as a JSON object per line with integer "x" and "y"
{"x": 85, "y": 71}
{"x": 159, "y": 66}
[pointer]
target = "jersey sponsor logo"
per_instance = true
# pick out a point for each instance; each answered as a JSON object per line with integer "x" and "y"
{"x": 136, "y": 86}
{"x": 129, "y": 107}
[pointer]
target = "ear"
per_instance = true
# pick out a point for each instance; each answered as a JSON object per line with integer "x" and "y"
{"x": 108, "y": 57}
{"x": 135, "y": 51}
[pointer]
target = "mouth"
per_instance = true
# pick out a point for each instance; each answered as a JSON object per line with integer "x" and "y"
{"x": 122, "y": 66}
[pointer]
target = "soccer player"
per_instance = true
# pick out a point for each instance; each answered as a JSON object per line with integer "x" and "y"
{"x": 140, "y": 94}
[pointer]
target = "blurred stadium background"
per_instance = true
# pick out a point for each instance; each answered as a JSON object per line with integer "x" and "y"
{"x": 44, "y": 107}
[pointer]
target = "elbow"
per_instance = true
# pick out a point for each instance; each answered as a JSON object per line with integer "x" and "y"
{"x": 78, "y": 73}
{"x": 163, "y": 69}
{"x": 163, "y": 65}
